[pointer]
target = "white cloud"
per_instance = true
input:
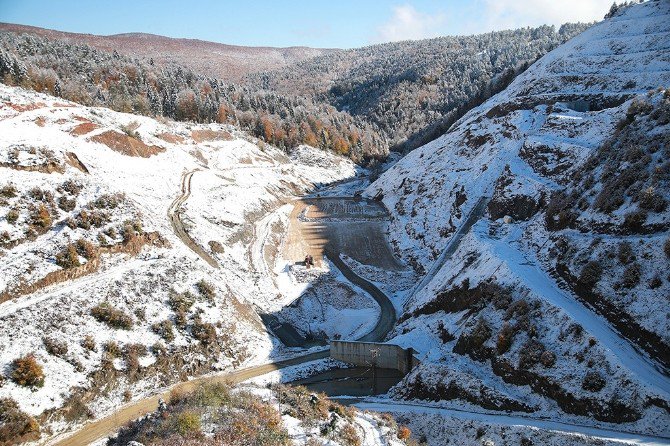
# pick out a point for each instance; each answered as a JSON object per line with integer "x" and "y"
{"x": 409, "y": 24}
{"x": 505, "y": 14}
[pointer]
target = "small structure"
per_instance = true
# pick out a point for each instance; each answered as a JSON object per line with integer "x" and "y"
{"x": 309, "y": 261}
{"x": 386, "y": 356}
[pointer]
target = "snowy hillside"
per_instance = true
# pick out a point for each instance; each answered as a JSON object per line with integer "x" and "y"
{"x": 539, "y": 223}
{"x": 126, "y": 251}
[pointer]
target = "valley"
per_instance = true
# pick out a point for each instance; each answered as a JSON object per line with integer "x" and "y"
{"x": 458, "y": 240}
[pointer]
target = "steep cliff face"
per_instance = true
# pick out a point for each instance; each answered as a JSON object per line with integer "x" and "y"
{"x": 562, "y": 277}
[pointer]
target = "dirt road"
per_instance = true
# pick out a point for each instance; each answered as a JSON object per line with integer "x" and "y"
{"x": 110, "y": 424}
{"x": 455, "y": 240}
{"x": 174, "y": 216}
{"x": 342, "y": 225}
{"x": 387, "y": 316}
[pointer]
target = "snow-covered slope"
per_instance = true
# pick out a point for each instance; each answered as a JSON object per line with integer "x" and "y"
{"x": 506, "y": 317}
{"x": 97, "y": 283}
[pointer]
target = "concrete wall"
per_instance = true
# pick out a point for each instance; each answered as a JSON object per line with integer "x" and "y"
{"x": 385, "y": 356}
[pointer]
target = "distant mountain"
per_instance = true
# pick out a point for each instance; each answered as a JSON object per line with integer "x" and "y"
{"x": 227, "y": 62}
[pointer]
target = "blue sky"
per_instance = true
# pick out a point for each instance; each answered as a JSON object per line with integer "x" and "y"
{"x": 316, "y": 23}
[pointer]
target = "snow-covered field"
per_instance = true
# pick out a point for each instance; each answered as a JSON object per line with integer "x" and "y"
{"x": 235, "y": 183}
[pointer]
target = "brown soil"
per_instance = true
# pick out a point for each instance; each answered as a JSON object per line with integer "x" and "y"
{"x": 348, "y": 226}
{"x": 26, "y": 107}
{"x": 73, "y": 160}
{"x": 83, "y": 128}
{"x": 171, "y": 138}
{"x": 126, "y": 145}
{"x": 210, "y": 135}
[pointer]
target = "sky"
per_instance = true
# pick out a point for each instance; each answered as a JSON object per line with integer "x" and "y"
{"x": 315, "y": 23}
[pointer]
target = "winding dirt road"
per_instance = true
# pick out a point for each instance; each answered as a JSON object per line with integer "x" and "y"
{"x": 337, "y": 237}
{"x": 174, "y": 215}
{"x": 110, "y": 424}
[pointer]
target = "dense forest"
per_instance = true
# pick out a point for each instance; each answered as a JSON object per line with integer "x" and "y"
{"x": 88, "y": 76}
{"x": 414, "y": 90}
{"x": 360, "y": 103}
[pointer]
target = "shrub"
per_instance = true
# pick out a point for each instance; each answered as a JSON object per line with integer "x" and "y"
{"x": 70, "y": 187}
{"x": 593, "y": 382}
{"x": 666, "y": 248}
{"x": 481, "y": 333}
{"x": 548, "y": 359}
{"x": 559, "y": 213}
{"x": 631, "y": 276}
{"x": 180, "y": 301}
{"x": 41, "y": 218}
{"x": 204, "y": 332}
{"x": 518, "y": 308}
{"x": 9, "y": 191}
{"x": 112, "y": 349}
{"x": 131, "y": 354}
{"x": 86, "y": 249}
{"x": 68, "y": 257}
{"x": 107, "y": 201}
{"x": 180, "y": 319}
{"x": 12, "y": 216}
{"x": 210, "y": 395}
{"x": 655, "y": 282}
{"x": 55, "y": 347}
{"x": 111, "y": 316}
{"x": 37, "y": 194}
{"x": 15, "y": 425}
{"x": 444, "y": 334}
{"x": 26, "y": 371}
{"x": 505, "y": 338}
{"x": 88, "y": 343}
{"x": 404, "y": 433}
{"x": 651, "y": 200}
{"x": 130, "y": 229}
{"x": 206, "y": 289}
{"x": 609, "y": 199}
{"x": 164, "y": 330}
{"x": 67, "y": 204}
{"x": 625, "y": 253}
{"x": 591, "y": 273}
{"x": 635, "y": 220}
{"x": 158, "y": 349}
{"x": 188, "y": 422}
{"x": 216, "y": 247}
{"x": 530, "y": 354}
{"x": 348, "y": 435}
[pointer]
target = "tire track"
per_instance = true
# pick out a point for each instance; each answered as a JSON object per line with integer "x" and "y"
{"x": 174, "y": 215}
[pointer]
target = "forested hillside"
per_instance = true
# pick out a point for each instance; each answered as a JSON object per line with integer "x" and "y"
{"x": 359, "y": 103}
{"x": 414, "y": 90}
{"x": 88, "y": 76}
{"x": 229, "y": 63}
